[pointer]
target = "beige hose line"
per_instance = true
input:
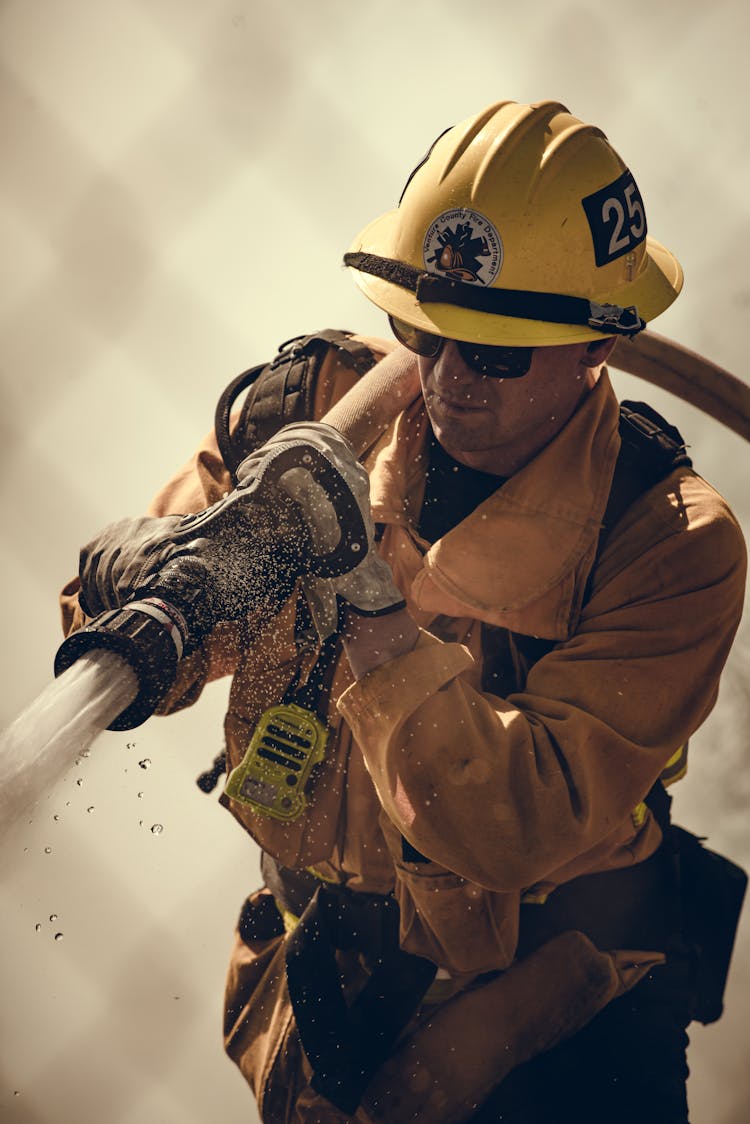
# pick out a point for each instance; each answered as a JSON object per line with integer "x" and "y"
{"x": 689, "y": 376}
{"x": 365, "y": 412}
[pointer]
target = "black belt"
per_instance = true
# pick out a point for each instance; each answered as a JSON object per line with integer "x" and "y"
{"x": 635, "y": 907}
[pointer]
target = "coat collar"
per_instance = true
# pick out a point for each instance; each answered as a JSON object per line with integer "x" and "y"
{"x": 521, "y": 559}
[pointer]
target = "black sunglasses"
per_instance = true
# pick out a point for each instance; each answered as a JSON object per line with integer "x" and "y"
{"x": 486, "y": 359}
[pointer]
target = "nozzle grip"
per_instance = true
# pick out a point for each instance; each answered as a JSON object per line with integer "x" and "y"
{"x": 263, "y": 490}
{"x": 352, "y": 546}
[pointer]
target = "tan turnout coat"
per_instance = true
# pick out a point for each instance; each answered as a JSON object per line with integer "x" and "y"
{"x": 506, "y": 795}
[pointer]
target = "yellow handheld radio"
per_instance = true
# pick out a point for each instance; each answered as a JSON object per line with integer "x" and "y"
{"x": 288, "y": 742}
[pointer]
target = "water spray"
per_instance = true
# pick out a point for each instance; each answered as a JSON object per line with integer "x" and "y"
{"x": 57, "y": 728}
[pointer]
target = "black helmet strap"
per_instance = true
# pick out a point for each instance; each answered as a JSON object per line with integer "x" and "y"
{"x": 555, "y": 308}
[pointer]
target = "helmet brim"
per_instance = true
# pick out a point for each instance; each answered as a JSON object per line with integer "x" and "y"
{"x": 658, "y": 284}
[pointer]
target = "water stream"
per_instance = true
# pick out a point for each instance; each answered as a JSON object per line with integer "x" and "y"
{"x": 38, "y": 749}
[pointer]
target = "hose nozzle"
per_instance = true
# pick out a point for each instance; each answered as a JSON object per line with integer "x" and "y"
{"x": 149, "y": 636}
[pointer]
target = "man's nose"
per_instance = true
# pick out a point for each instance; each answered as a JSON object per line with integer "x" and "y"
{"x": 452, "y": 372}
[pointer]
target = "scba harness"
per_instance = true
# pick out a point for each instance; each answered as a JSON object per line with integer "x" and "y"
{"x": 659, "y": 904}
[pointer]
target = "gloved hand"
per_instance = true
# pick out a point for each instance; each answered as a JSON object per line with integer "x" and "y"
{"x": 122, "y": 557}
{"x": 364, "y": 579}
{"x": 300, "y": 510}
{"x": 217, "y": 565}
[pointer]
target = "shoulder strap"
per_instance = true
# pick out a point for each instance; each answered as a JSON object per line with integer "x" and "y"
{"x": 650, "y": 448}
{"x": 282, "y": 391}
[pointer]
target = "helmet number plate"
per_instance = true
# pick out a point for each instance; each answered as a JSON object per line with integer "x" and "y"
{"x": 617, "y": 218}
{"x": 287, "y": 743}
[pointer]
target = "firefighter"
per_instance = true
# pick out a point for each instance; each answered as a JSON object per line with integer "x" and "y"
{"x": 474, "y": 908}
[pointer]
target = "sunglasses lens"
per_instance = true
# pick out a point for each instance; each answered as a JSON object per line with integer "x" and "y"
{"x": 497, "y": 362}
{"x": 486, "y": 359}
{"x": 423, "y": 343}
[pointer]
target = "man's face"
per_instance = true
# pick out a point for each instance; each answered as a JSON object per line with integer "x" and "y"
{"x": 497, "y": 425}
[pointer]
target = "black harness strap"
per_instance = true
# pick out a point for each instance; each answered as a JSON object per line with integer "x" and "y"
{"x": 281, "y": 392}
{"x": 650, "y": 448}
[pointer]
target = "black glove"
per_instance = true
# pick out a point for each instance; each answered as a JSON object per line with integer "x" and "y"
{"x": 301, "y": 509}
{"x": 214, "y": 566}
{"x": 121, "y": 558}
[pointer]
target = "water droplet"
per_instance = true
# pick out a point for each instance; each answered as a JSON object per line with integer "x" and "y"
{"x": 16, "y": 1092}
{"x": 145, "y": 763}
{"x": 53, "y": 917}
{"x": 37, "y": 928}
{"x": 58, "y": 936}
{"x": 79, "y": 782}
{"x": 140, "y": 796}
{"x": 90, "y": 808}
{"x": 56, "y": 818}
{"x": 48, "y": 850}
{"x": 157, "y": 829}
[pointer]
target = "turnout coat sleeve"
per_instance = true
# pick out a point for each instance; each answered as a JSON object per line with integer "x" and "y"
{"x": 539, "y": 786}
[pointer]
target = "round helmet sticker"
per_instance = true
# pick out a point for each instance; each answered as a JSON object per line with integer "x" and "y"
{"x": 464, "y": 246}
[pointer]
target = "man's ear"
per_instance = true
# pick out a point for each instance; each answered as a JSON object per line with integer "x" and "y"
{"x": 599, "y": 351}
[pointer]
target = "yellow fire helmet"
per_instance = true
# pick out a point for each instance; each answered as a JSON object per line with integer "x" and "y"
{"x": 520, "y": 227}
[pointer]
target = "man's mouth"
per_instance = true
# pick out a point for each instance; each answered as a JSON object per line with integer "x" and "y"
{"x": 467, "y": 406}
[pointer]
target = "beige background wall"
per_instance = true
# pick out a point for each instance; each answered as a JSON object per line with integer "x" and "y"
{"x": 178, "y": 182}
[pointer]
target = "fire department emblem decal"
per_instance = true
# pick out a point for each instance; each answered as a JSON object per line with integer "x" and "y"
{"x": 464, "y": 246}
